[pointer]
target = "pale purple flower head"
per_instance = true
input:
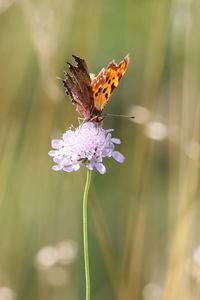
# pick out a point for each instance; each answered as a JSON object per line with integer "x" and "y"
{"x": 89, "y": 144}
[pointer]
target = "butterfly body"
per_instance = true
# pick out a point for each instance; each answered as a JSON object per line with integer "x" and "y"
{"x": 89, "y": 93}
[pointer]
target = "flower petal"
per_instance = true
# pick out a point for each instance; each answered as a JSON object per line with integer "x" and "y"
{"x": 52, "y": 153}
{"x": 56, "y": 144}
{"x": 116, "y": 141}
{"x": 90, "y": 167}
{"x": 68, "y": 134}
{"x": 118, "y": 156}
{"x": 57, "y": 159}
{"x": 76, "y": 167}
{"x": 87, "y": 125}
{"x": 101, "y": 168}
{"x": 91, "y": 164}
{"x": 68, "y": 169}
{"x": 57, "y": 167}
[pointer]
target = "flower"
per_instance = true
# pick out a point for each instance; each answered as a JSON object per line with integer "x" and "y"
{"x": 89, "y": 143}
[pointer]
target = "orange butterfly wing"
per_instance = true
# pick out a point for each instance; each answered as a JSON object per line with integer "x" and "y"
{"x": 104, "y": 87}
{"x": 97, "y": 83}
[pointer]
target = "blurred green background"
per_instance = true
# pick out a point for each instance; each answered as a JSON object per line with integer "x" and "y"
{"x": 144, "y": 225}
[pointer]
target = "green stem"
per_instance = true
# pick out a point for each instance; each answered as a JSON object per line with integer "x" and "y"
{"x": 85, "y": 237}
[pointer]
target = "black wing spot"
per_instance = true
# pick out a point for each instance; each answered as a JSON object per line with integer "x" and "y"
{"x": 106, "y": 95}
{"x": 96, "y": 94}
{"x": 112, "y": 87}
{"x": 104, "y": 90}
{"x": 99, "y": 90}
{"x": 113, "y": 77}
{"x": 109, "y": 81}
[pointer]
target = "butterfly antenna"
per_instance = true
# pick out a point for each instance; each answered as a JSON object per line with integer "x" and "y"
{"x": 123, "y": 116}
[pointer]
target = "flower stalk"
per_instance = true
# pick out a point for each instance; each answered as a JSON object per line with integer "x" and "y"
{"x": 85, "y": 235}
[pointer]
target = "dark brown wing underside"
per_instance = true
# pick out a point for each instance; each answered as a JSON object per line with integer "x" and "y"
{"x": 78, "y": 87}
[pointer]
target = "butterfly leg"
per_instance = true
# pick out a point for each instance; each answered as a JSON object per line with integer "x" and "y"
{"x": 81, "y": 121}
{"x": 98, "y": 128}
{"x": 95, "y": 119}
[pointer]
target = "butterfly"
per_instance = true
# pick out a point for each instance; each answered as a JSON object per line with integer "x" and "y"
{"x": 90, "y": 94}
